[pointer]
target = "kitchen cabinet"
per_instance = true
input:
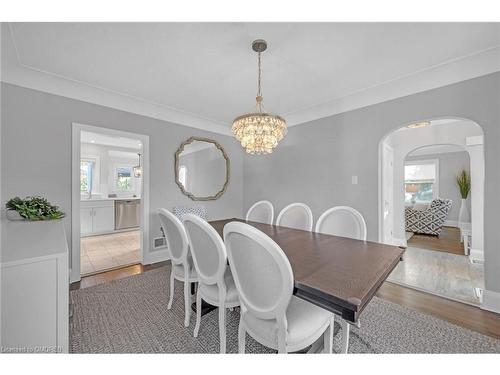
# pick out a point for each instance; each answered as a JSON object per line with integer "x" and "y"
{"x": 97, "y": 217}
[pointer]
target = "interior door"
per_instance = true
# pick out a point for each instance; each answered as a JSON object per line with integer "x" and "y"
{"x": 388, "y": 193}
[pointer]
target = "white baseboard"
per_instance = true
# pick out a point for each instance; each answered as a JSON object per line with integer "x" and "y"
{"x": 476, "y": 255}
{"x": 157, "y": 256}
{"x": 491, "y": 301}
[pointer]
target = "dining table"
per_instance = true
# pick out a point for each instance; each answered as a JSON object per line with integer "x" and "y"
{"x": 339, "y": 274}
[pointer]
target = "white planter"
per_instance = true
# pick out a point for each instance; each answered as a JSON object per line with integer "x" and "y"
{"x": 463, "y": 215}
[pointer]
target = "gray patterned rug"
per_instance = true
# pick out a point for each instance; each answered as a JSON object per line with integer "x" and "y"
{"x": 130, "y": 316}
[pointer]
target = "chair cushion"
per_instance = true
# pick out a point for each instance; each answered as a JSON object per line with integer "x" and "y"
{"x": 211, "y": 292}
{"x": 305, "y": 321}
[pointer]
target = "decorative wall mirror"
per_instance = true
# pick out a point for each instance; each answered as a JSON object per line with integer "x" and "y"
{"x": 201, "y": 169}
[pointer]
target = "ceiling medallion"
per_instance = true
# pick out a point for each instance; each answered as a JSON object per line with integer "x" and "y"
{"x": 259, "y": 132}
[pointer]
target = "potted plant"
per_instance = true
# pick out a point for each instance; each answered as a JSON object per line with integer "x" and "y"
{"x": 463, "y": 182}
{"x": 32, "y": 209}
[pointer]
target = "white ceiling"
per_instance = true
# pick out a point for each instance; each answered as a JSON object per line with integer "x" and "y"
{"x": 204, "y": 74}
{"x": 109, "y": 140}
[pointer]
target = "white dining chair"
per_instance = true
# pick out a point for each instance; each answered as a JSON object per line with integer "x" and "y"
{"x": 343, "y": 221}
{"x": 215, "y": 281}
{"x": 264, "y": 279}
{"x": 182, "y": 262}
{"x": 261, "y": 212}
{"x": 297, "y": 216}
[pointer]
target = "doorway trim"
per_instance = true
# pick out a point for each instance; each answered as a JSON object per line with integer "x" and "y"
{"x": 77, "y": 128}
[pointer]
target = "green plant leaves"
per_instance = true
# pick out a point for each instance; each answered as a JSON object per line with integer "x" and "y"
{"x": 463, "y": 182}
{"x": 35, "y": 208}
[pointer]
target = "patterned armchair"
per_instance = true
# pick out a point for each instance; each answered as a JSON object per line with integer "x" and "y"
{"x": 430, "y": 220}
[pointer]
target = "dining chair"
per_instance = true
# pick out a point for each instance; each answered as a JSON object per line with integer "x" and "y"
{"x": 343, "y": 221}
{"x": 264, "y": 280}
{"x": 182, "y": 262}
{"x": 297, "y": 216}
{"x": 215, "y": 281}
{"x": 198, "y": 210}
{"x": 261, "y": 212}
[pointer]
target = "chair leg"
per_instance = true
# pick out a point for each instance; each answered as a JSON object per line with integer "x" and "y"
{"x": 198, "y": 314}
{"x": 328, "y": 337}
{"x": 281, "y": 343}
{"x": 241, "y": 338}
{"x": 187, "y": 303}
{"x": 345, "y": 336}
{"x": 222, "y": 328}
{"x": 171, "y": 298}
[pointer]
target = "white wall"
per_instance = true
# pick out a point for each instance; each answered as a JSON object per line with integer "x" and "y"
{"x": 405, "y": 141}
{"x": 36, "y": 154}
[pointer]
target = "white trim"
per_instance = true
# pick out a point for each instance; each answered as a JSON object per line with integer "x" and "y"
{"x": 491, "y": 301}
{"x": 476, "y": 255}
{"x": 160, "y": 255}
{"x": 144, "y": 256}
{"x": 462, "y": 68}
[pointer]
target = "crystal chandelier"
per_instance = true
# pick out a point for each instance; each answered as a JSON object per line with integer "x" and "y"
{"x": 259, "y": 132}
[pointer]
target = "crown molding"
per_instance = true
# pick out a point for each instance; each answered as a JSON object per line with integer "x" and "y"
{"x": 37, "y": 80}
{"x": 461, "y": 69}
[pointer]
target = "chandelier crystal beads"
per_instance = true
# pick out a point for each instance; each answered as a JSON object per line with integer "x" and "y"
{"x": 259, "y": 132}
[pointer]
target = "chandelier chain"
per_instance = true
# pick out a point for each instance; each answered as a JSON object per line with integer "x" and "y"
{"x": 259, "y": 85}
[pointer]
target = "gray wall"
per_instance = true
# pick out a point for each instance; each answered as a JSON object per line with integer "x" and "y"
{"x": 450, "y": 165}
{"x": 36, "y": 152}
{"x": 315, "y": 161}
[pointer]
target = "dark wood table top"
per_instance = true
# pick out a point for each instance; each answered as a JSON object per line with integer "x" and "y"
{"x": 337, "y": 273}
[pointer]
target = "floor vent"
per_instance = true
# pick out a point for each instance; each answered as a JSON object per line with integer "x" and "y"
{"x": 159, "y": 242}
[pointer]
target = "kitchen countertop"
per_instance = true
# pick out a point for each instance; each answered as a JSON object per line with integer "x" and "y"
{"x": 109, "y": 199}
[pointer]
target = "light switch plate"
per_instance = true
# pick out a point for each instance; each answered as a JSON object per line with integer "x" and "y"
{"x": 354, "y": 180}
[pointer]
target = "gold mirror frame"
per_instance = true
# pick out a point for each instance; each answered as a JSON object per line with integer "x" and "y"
{"x": 176, "y": 169}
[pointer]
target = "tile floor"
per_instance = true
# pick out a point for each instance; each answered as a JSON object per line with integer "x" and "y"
{"x": 99, "y": 253}
{"x": 440, "y": 273}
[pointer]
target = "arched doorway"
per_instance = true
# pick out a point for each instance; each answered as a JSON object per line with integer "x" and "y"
{"x": 439, "y": 136}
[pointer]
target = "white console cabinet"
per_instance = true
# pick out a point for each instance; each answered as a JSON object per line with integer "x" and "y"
{"x": 35, "y": 287}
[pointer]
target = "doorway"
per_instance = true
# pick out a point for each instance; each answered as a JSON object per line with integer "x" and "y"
{"x": 419, "y": 164}
{"x": 110, "y": 195}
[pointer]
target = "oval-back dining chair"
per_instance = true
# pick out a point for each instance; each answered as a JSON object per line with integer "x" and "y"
{"x": 297, "y": 216}
{"x": 261, "y": 212}
{"x": 264, "y": 280}
{"x": 182, "y": 262}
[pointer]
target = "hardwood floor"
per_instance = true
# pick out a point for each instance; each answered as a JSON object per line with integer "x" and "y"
{"x": 448, "y": 241}
{"x": 467, "y": 316}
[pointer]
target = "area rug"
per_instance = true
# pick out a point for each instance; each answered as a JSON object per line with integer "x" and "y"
{"x": 130, "y": 316}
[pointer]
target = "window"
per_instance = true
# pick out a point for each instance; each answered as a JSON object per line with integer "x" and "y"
{"x": 421, "y": 181}
{"x": 87, "y": 173}
{"x": 123, "y": 178}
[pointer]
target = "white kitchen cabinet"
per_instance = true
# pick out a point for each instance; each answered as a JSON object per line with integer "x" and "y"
{"x": 86, "y": 221}
{"x": 103, "y": 220}
{"x": 97, "y": 217}
{"x": 35, "y": 288}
